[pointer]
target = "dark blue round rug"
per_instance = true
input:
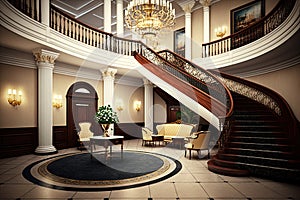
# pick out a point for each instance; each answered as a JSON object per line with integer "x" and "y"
{"x": 82, "y": 172}
{"x": 83, "y": 167}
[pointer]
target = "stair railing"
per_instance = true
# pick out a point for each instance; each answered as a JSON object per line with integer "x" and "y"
{"x": 28, "y": 7}
{"x": 267, "y": 97}
{"x": 181, "y": 80}
{"x": 210, "y": 79}
{"x": 79, "y": 31}
{"x": 215, "y": 86}
{"x": 253, "y": 32}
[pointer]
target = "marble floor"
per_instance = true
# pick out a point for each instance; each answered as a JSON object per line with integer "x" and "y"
{"x": 193, "y": 182}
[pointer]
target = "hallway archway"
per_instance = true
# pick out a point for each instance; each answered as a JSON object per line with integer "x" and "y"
{"x": 82, "y": 104}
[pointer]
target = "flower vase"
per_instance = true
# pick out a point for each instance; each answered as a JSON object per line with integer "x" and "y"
{"x": 105, "y": 128}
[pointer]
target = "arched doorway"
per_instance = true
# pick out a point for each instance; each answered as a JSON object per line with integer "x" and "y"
{"x": 82, "y": 104}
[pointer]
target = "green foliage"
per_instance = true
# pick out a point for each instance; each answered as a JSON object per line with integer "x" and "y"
{"x": 106, "y": 115}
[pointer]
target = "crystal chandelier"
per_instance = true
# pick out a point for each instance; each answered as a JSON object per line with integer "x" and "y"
{"x": 149, "y": 17}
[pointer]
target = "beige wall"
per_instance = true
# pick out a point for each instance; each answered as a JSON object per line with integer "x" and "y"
{"x": 23, "y": 79}
{"x": 25, "y": 115}
{"x": 220, "y": 13}
{"x": 126, "y": 96}
{"x": 219, "y": 16}
{"x": 197, "y": 33}
{"x": 61, "y": 84}
{"x": 286, "y": 82}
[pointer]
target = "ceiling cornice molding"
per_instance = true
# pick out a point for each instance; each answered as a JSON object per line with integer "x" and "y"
{"x": 267, "y": 68}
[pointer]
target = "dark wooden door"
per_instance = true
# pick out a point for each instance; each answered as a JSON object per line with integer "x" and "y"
{"x": 172, "y": 114}
{"x": 82, "y": 104}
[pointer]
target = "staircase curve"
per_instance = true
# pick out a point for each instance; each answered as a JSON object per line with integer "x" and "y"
{"x": 260, "y": 136}
{"x": 203, "y": 93}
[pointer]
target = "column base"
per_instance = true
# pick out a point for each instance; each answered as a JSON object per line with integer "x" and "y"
{"x": 45, "y": 150}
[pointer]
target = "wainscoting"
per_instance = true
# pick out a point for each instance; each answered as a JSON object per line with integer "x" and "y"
{"x": 18, "y": 141}
{"x": 24, "y": 140}
{"x": 60, "y": 137}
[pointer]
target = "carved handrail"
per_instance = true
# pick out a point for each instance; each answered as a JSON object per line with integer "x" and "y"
{"x": 265, "y": 96}
{"x": 170, "y": 74}
{"x": 79, "y": 31}
{"x": 214, "y": 85}
{"x": 253, "y": 32}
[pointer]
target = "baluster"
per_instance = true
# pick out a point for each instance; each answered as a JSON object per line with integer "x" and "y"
{"x": 76, "y": 31}
{"x": 92, "y": 38}
{"x": 70, "y": 28}
{"x": 66, "y": 26}
{"x": 73, "y": 30}
{"x": 35, "y": 11}
{"x": 30, "y": 9}
{"x": 52, "y": 22}
{"x": 58, "y": 22}
{"x": 101, "y": 41}
{"x": 80, "y": 33}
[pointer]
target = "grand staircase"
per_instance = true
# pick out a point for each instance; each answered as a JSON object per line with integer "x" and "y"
{"x": 260, "y": 136}
{"x": 257, "y": 144}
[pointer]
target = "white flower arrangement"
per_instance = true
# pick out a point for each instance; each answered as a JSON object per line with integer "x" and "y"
{"x": 106, "y": 115}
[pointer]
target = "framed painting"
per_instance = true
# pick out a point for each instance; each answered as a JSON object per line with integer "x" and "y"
{"x": 179, "y": 42}
{"x": 246, "y": 15}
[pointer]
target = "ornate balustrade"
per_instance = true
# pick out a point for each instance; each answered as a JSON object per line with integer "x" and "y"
{"x": 265, "y": 96}
{"x": 79, "y": 31}
{"x": 251, "y": 33}
{"x": 214, "y": 86}
{"x": 28, "y": 7}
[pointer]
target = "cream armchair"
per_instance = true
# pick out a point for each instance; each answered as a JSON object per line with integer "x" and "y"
{"x": 197, "y": 142}
{"x": 147, "y": 136}
{"x": 84, "y": 134}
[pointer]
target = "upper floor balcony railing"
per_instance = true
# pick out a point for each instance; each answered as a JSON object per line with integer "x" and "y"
{"x": 251, "y": 33}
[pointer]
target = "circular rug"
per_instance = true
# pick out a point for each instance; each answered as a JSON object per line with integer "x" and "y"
{"x": 83, "y": 172}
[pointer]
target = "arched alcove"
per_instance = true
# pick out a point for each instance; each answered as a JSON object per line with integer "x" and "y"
{"x": 82, "y": 104}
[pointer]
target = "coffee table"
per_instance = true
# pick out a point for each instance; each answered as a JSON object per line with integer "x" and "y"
{"x": 106, "y": 142}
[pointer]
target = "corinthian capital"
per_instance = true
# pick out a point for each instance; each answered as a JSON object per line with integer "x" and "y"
{"x": 205, "y": 3}
{"x": 42, "y": 55}
{"x": 187, "y": 6}
{"x": 109, "y": 72}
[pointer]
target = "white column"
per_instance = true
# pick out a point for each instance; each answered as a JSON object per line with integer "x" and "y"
{"x": 120, "y": 18}
{"x": 108, "y": 91}
{"x": 45, "y": 64}
{"x": 148, "y": 104}
{"x": 108, "y": 84}
{"x": 187, "y": 7}
{"x": 107, "y": 16}
{"x": 45, "y": 9}
{"x": 206, "y": 20}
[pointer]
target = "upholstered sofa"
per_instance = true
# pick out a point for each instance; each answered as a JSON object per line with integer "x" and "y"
{"x": 172, "y": 130}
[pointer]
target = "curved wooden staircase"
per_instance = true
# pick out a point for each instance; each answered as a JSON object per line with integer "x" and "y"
{"x": 257, "y": 145}
{"x": 262, "y": 134}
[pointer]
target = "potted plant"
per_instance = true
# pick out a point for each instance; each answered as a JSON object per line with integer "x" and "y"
{"x": 106, "y": 116}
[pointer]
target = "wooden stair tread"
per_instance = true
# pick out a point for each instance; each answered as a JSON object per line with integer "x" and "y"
{"x": 271, "y": 151}
{"x": 255, "y": 165}
{"x": 226, "y": 171}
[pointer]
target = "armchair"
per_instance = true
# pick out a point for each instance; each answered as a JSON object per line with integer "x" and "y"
{"x": 84, "y": 134}
{"x": 147, "y": 136}
{"x": 198, "y": 141}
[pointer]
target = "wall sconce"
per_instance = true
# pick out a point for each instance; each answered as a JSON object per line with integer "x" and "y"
{"x": 119, "y": 108}
{"x": 57, "y": 103}
{"x": 220, "y": 31}
{"x": 137, "y": 105}
{"x": 12, "y": 99}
